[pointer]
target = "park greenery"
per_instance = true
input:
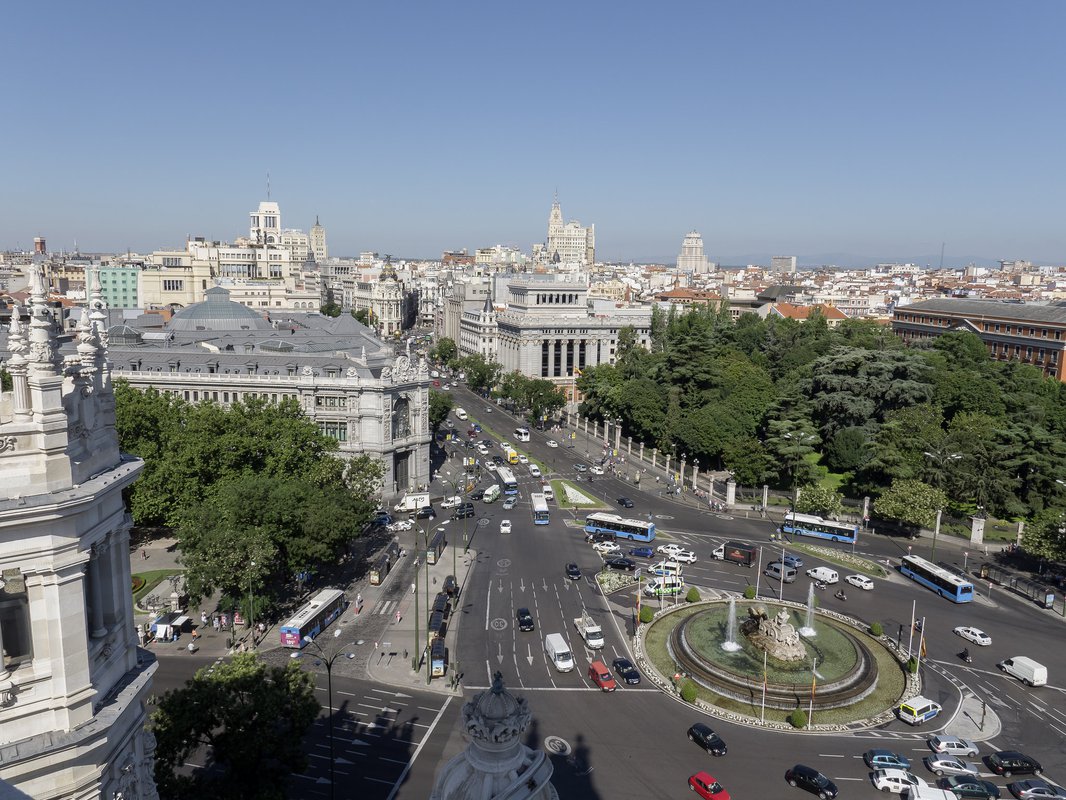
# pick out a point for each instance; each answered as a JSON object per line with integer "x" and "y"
{"x": 255, "y": 492}
{"x": 440, "y": 405}
{"x": 786, "y": 403}
{"x": 250, "y": 718}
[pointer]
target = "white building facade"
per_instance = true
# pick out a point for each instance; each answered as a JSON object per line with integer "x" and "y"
{"x": 692, "y": 258}
{"x": 73, "y": 682}
{"x": 569, "y": 242}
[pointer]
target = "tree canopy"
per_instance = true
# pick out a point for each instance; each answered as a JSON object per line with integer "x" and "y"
{"x": 251, "y": 718}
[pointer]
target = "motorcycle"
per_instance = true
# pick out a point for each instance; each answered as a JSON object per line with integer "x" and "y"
{"x": 819, "y": 585}
{"x": 965, "y": 656}
{"x": 840, "y": 596}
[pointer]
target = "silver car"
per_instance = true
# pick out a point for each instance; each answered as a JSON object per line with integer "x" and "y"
{"x": 944, "y": 764}
{"x": 1035, "y": 789}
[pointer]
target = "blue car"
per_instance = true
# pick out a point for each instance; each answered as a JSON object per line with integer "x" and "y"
{"x": 642, "y": 552}
{"x": 793, "y": 561}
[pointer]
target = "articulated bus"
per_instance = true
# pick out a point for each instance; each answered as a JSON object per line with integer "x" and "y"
{"x": 933, "y": 576}
{"x": 315, "y": 615}
{"x": 540, "y": 508}
{"x": 810, "y": 525}
{"x": 521, "y": 434}
{"x": 507, "y": 481}
{"x": 635, "y": 529}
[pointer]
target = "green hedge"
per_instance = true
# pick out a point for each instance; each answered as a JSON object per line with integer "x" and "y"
{"x": 877, "y": 629}
{"x": 693, "y": 595}
{"x": 688, "y": 691}
{"x": 749, "y": 593}
{"x": 798, "y": 718}
{"x": 647, "y": 614}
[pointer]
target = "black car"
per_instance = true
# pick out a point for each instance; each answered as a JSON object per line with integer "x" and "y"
{"x": 705, "y": 737}
{"x": 600, "y": 536}
{"x": 1011, "y": 762}
{"x": 463, "y": 511}
{"x": 572, "y": 572}
{"x": 626, "y": 671}
{"x": 525, "y": 619}
{"x": 620, "y": 562}
{"x": 625, "y": 502}
{"x": 968, "y": 786}
{"x": 497, "y": 459}
{"x": 812, "y": 780}
{"x": 477, "y": 494}
{"x": 426, "y": 512}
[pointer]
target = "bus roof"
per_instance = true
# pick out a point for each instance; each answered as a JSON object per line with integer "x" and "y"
{"x": 539, "y": 502}
{"x": 602, "y": 516}
{"x": 506, "y": 476}
{"x": 313, "y": 606}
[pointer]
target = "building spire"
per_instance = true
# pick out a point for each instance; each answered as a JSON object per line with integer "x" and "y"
{"x": 44, "y": 354}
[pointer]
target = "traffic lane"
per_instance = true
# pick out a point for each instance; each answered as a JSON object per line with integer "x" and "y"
{"x": 378, "y": 733}
{"x": 634, "y": 744}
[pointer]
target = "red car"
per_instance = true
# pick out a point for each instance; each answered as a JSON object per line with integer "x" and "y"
{"x": 601, "y": 676}
{"x": 706, "y": 786}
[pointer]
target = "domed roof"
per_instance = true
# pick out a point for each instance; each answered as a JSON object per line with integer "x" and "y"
{"x": 217, "y": 313}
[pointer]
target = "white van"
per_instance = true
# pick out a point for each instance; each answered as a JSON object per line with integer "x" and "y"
{"x": 461, "y": 414}
{"x": 780, "y": 572}
{"x": 412, "y": 502}
{"x": 547, "y": 491}
{"x": 823, "y": 574}
{"x": 917, "y": 710}
{"x": 534, "y": 470}
{"x": 492, "y": 494}
{"x": 558, "y": 651}
{"x": 1025, "y": 669}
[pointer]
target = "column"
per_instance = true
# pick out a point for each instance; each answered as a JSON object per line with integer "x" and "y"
{"x": 96, "y": 623}
{"x": 618, "y": 436}
{"x": 641, "y": 456}
{"x": 765, "y": 495}
{"x": 654, "y": 456}
{"x": 695, "y": 474}
{"x": 629, "y": 446}
{"x": 667, "y": 465}
{"x": 977, "y": 530}
{"x": 1021, "y": 529}
{"x": 731, "y": 493}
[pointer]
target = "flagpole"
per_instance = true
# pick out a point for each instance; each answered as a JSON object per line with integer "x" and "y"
{"x": 921, "y": 644}
{"x": 910, "y": 637}
{"x": 814, "y": 683}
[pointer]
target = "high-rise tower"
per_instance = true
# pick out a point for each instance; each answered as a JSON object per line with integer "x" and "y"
{"x": 318, "y": 242}
{"x": 692, "y": 258}
{"x": 73, "y": 683}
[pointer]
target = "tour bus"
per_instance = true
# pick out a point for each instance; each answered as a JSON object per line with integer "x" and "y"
{"x": 540, "y": 508}
{"x": 810, "y": 525}
{"x": 635, "y": 529}
{"x": 521, "y": 434}
{"x": 933, "y": 576}
{"x": 315, "y": 615}
{"x": 507, "y": 480}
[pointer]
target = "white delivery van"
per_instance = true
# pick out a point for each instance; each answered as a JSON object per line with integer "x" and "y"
{"x": 559, "y": 652}
{"x": 1025, "y": 669}
{"x": 823, "y": 574}
{"x": 547, "y": 491}
{"x": 412, "y": 502}
{"x": 664, "y": 586}
{"x": 534, "y": 470}
{"x": 460, "y": 414}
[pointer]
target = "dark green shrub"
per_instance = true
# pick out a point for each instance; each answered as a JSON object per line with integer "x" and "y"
{"x": 693, "y": 595}
{"x": 688, "y": 691}
{"x": 646, "y": 614}
{"x": 877, "y": 629}
{"x": 912, "y": 665}
{"x": 749, "y": 593}
{"x": 798, "y": 718}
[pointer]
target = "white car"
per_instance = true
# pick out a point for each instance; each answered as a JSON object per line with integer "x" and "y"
{"x": 522, "y": 459}
{"x": 684, "y": 557}
{"x": 669, "y": 549}
{"x": 490, "y": 466}
{"x": 505, "y": 526}
{"x": 483, "y": 450}
{"x": 552, "y": 443}
{"x": 505, "y": 445}
{"x": 861, "y": 581}
{"x": 534, "y": 470}
{"x": 596, "y": 470}
{"x": 451, "y": 502}
{"x": 606, "y": 547}
{"x": 895, "y": 780}
{"x": 975, "y": 635}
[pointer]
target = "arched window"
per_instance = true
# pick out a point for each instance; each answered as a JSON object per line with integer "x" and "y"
{"x": 401, "y": 419}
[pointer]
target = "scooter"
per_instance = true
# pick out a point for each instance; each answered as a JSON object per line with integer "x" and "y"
{"x": 840, "y": 595}
{"x": 819, "y": 585}
{"x": 965, "y": 656}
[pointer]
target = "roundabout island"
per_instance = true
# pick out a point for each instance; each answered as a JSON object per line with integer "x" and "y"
{"x": 760, "y": 660}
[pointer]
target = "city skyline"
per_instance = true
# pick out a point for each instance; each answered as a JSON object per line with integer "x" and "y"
{"x": 850, "y": 135}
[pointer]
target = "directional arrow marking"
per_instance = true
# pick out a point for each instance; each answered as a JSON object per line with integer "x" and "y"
{"x": 529, "y": 657}
{"x": 500, "y": 656}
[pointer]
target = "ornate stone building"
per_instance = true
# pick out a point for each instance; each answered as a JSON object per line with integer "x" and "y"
{"x": 73, "y": 683}
{"x": 495, "y": 763}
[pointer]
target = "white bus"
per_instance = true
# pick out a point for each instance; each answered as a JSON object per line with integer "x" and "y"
{"x": 507, "y": 480}
{"x": 540, "y": 508}
{"x": 521, "y": 434}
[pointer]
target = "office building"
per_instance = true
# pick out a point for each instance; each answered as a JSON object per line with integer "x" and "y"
{"x": 692, "y": 258}
{"x": 569, "y": 243}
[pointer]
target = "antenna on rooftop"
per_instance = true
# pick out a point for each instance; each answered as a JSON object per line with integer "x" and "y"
{"x": 268, "y": 186}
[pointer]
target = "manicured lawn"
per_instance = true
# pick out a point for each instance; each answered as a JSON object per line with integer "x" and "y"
{"x": 152, "y": 578}
{"x": 559, "y": 487}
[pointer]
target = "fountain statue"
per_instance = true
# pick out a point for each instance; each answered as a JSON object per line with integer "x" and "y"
{"x": 776, "y": 636}
{"x": 807, "y": 631}
{"x": 730, "y": 644}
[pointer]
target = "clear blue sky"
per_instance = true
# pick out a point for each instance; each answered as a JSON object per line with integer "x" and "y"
{"x": 875, "y": 130}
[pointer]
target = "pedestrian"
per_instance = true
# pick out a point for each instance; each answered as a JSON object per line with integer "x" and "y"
{"x": 203, "y": 618}
{"x": 359, "y": 599}
{"x": 214, "y": 622}
{"x": 144, "y": 554}
{"x": 412, "y": 588}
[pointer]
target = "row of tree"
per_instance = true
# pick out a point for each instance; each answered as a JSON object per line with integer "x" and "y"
{"x": 255, "y": 492}
{"x": 777, "y": 401}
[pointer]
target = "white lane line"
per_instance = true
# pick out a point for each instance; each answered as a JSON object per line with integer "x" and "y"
{"x": 831, "y": 755}
{"x": 414, "y": 756}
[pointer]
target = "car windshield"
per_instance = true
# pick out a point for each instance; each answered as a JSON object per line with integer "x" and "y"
{"x": 820, "y": 779}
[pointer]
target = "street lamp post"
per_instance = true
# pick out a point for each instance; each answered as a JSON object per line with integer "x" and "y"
{"x": 251, "y": 602}
{"x": 327, "y": 660}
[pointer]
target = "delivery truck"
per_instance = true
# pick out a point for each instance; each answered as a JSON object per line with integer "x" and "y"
{"x": 589, "y": 630}
{"x": 558, "y": 652}
{"x": 1025, "y": 669}
{"x": 737, "y": 552}
{"x": 412, "y": 502}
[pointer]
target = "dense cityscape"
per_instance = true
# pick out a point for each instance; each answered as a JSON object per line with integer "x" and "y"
{"x": 405, "y": 401}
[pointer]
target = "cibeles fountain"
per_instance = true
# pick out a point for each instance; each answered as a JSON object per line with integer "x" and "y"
{"x": 787, "y": 647}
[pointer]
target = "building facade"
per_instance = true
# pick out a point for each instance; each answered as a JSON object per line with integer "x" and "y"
{"x": 569, "y": 242}
{"x": 319, "y": 249}
{"x": 1031, "y": 333}
{"x": 73, "y": 682}
{"x": 692, "y": 258}
{"x": 118, "y": 285}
